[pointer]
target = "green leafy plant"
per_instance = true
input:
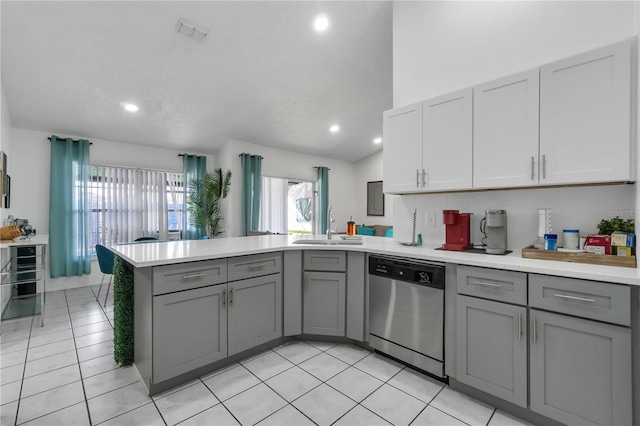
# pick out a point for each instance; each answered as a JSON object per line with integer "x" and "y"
{"x": 607, "y": 227}
{"x": 203, "y": 201}
{"x": 122, "y": 312}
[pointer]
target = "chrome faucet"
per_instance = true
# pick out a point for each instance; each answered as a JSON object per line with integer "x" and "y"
{"x": 330, "y": 218}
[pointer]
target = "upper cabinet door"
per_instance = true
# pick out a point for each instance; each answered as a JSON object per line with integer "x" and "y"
{"x": 585, "y": 113}
{"x": 505, "y": 131}
{"x": 447, "y": 141}
{"x": 402, "y": 155}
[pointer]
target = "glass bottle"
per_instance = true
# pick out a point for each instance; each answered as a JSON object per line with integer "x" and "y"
{"x": 351, "y": 226}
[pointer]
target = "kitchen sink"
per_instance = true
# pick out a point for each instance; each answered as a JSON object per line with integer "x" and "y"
{"x": 332, "y": 242}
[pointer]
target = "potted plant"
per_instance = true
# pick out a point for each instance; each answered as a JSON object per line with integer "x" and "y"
{"x": 608, "y": 227}
{"x": 203, "y": 201}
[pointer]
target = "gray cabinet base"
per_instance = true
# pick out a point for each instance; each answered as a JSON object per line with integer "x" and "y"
{"x": 503, "y": 405}
{"x": 156, "y": 388}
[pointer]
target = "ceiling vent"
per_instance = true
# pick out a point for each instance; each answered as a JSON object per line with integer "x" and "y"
{"x": 191, "y": 30}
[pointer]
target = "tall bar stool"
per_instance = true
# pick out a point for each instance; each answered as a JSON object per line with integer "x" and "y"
{"x": 105, "y": 260}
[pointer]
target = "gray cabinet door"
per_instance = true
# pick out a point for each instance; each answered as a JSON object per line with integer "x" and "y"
{"x": 324, "y": 303}
{"x": 255, "y": 312}
{"x": 292, "y": 277}
{"x": 356, "y": 269}
{"x": 189, "y": 330}
{"x": 580, "y": 370}
{"x": 492, "y": 348}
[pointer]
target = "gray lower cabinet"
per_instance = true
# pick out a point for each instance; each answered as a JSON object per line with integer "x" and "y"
{"x": 580, "y": 370}
{"x": 189, "y": 330}
{"x": 492, "y": 348}
{"x": 324, "y": 305}
{"x": 255, "y": 312}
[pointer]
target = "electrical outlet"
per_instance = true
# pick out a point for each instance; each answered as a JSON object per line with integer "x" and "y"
{"x": 431, "y": 220}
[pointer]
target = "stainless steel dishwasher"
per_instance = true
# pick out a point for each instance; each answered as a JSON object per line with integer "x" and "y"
{"x": 406, "y": 311}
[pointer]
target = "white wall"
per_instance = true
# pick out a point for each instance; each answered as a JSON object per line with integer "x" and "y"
{"x": 30, "y": 165}
{"x": 575, "y": 208}
{"x": 286, "y": 164}
{"x": 367, "y": 170}
{"x": 442, "y": 46}
{"x": 5, "y": 146}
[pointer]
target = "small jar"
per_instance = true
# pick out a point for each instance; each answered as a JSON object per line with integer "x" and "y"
{"x": 571, "y": 238}
{"x": 550, "y": 241}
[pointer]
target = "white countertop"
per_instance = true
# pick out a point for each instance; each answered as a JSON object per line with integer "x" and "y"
{"x": 35, "y": 240}
{"x": 170, "y": 252}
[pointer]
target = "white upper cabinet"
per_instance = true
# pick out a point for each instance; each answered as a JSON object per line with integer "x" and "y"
{"x": 447, "y": 141}
{"x": 568, "y": 122}
{"x": 505, "y": 131}
{"x": 585, "y": 118}
{"x": 402, "y": 155}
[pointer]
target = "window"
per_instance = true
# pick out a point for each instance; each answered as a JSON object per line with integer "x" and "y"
{"x": 130, "y": 203}
{"x": 286, "y": 206}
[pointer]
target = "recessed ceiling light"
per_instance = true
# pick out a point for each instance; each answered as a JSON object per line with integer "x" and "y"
{"x": 130, "y": 107}
{"x": 377, "y": 140}
{"x": 334, "y": 128}
{"x": 321, "y": 22}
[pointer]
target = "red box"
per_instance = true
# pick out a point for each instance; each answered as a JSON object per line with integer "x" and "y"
{"x": 601, "y": 241}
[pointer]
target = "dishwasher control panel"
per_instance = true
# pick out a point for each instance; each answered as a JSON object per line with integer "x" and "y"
{"x": 404, "y": 270}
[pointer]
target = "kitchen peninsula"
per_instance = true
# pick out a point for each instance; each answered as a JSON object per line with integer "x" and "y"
{"x": 200, "y": 305}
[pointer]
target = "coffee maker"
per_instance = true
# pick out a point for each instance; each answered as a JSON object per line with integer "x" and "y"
{"x": 457, "y": 230}
{"x": 495, "y": 229}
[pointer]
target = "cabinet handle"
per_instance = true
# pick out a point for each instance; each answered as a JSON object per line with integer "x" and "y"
{"x": 256, "y": 266}
{"x": 567, "y": 296}
{"x": 186, "y": 277}
{"x": 533, "y": 166}
{"x": 424, "y": 178}
{"x": 487, "y": 284}
{"x": 544, "y": 166}
{"x": 417, "y": 178}
{"x": 519, "y": 327}
{"x": 231, "y": 297}
{"x": 224, "y": 297}
{"x": 535, "y": 336}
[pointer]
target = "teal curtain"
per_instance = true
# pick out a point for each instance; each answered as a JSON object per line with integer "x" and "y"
{"x": 323, "y": 198}
{"x": 69, "y": 220}
{"x": 194, "y": 167}
{"x": 251, "y": 188}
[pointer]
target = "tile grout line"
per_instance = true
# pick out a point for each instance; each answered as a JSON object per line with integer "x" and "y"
{"x": 273, "y": 390}
{"x": 84, "y": 392}
{"x": 24, "y": 367}
{"x": 492, "y": 414}
{"x": 221, "y": 401}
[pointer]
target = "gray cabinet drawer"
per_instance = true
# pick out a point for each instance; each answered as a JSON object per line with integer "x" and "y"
{"x": 185, "y": 276}
{"x": 495, "y": 284}
{"x": 325, "y": 260}
{"x": 589, "y": 299}
{"x": 255, "y": 265}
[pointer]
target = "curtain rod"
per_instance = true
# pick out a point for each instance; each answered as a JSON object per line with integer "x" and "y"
{"x": 74, "y": 140}
{"x": 317, "y": 167}
{"x": 244, "y": 153}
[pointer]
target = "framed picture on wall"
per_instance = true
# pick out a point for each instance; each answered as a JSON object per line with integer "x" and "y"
{"x": 3, "y": 173}
{"x": 375, "y": 199}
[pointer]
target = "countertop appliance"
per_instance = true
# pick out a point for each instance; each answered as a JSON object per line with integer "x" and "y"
{"x": 495, "y": 228}
{"x": 406, "y": 311}
{"x": 458, "y": 230}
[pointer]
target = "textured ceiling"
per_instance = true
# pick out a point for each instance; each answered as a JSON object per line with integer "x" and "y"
{"x": 262, "y": 74}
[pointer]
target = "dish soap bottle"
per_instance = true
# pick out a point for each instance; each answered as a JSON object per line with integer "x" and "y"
{"x": 351, "y": 226}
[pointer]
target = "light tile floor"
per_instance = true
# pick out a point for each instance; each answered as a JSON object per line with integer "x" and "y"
{"x": 64, "y": 374}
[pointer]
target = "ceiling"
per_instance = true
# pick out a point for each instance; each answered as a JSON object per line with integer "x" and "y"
{"x": 262, "y": 74}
